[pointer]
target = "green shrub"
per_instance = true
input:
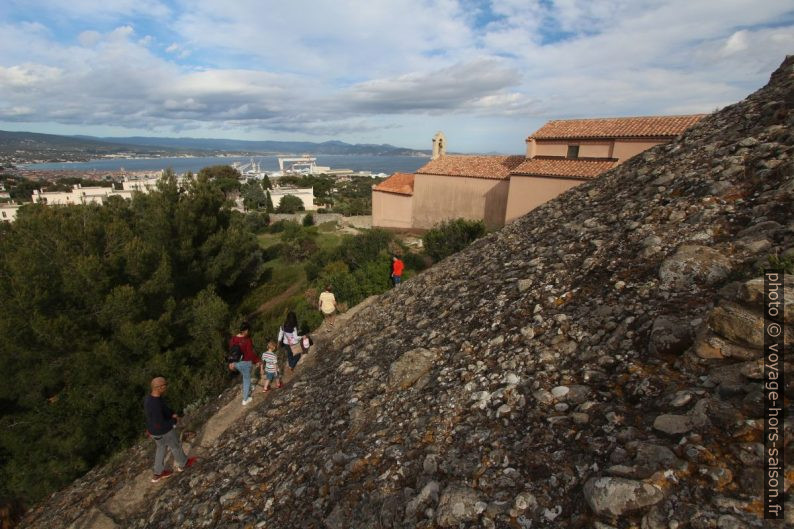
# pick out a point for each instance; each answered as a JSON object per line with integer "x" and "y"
{"x": 351, "y": 287}
{"x": 373, "y": 278}
{"x": 298, "y": 248}
{"x": 354, "y": 251}
{"x": 308, "y": 220}
{"x": 290, "y": 204}
{"x": 365, "y": 247}
{"x": 343, "y": 285}
{"x": 257, "y": 222}
{"x": 451, "y": 236}
{"x": 281, "y": 225}
{"x": 272, "y": 252}
{"x": 415, "y": 261}
{"x": 309, "y": 317}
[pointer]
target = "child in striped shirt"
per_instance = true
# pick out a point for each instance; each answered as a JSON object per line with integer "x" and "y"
{"x": 270, "y": 366}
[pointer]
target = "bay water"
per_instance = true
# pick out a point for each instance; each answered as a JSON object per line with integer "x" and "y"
{"x": 375, "y": 164}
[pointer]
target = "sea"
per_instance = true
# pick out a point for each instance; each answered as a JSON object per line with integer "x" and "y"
{"x": 375, "y": 164}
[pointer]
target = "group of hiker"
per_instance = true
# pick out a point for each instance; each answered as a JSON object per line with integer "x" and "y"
{"x": 242, "y": 358}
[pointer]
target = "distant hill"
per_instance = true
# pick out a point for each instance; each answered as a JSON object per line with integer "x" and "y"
{"x": 28, "y": 147}
{"x": 265, "y": 146}
{"x": 15, "y": 141}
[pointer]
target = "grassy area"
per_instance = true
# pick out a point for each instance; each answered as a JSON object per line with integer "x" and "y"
{"x": 266, "y": 240}
{"x": 282, "y": 275}
{"x": 328, "y": 240}
{"x": 361, "y": 270}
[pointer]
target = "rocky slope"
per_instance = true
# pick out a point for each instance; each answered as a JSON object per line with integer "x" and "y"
{"x": 595, "y": 364}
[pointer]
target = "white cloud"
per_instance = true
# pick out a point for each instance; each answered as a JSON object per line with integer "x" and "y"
{"x": 26, "y": 76}
{"x": 382, "y": 69}
{"x": 448, "y": 89}
{"x": 89, "y": 38}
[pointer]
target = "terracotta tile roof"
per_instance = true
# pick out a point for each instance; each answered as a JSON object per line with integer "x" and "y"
{"x": 400, "y": 183}
{"x": 639, "y": 127}
{"x": 493, "y": 167}
{"x": 586, "y": 168}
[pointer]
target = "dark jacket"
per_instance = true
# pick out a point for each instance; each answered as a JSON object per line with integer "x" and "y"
{"x": 159, "y": 417}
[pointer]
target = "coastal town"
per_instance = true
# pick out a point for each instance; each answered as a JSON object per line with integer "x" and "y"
{"x": 124, "y": 184}
{"x": 492, "y": 188}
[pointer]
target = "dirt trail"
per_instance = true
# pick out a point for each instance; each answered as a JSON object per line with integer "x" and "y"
{"x": 135, "y": 495}
{"x": 273, "y": 302}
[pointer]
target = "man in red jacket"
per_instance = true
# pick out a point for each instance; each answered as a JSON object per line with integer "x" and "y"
{"x": 249, "y": 359}
{"x": 396, "y": 270}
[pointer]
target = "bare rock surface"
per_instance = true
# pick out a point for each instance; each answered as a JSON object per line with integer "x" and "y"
{"x": 694, "y": 264}
{"x": 617, "y": 496}
{"x": 485, "y": 436}
{"x": 410, "y": 367}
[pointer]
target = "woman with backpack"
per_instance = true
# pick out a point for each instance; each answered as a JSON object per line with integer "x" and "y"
{"x": 289, "y": 339}
{"x": 242, "y": 358}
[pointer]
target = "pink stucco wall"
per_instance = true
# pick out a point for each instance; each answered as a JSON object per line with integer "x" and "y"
{"x": 528, "y": 192}
{"x": 390, "y": 210}
{"x": 625, "y": 149}
{"x": 549, "y": 148}
{"x": 438, "y": 198}
{"x": 622, "y": 149}
{"x": 595, "y": 150}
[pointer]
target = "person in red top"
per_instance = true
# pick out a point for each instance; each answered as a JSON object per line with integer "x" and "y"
{"x": 248, "y": 360}
{"x": 396, "y": 270}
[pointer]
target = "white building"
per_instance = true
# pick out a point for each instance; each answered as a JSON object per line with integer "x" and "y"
{"x": 78, "y": 195}
{"x": 144, "y": 185}
{"x": 8, "y": 212}
{"x": 95, "y": 195}
{"x": 305, "y": 194}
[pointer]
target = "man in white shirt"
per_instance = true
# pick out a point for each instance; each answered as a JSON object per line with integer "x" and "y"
{"x": 328, "y": 305}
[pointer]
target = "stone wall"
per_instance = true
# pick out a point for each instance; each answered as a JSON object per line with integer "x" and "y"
{"x": 358, "y": 221}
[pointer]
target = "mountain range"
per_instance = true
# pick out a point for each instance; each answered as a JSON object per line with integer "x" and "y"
{"x": 264, "y": 146}
{"x": 26, "y": 147}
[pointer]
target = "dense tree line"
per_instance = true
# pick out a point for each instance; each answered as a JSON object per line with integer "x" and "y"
{"x": 94, "y": 302}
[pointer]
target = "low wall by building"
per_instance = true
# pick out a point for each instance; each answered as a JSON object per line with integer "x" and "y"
{"x": 306, "y": 195}
{"x": 391, "y": 210}
{"x": 358, "y": 221}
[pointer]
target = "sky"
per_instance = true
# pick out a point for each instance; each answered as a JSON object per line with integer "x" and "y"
{"x": 486, "y": 73}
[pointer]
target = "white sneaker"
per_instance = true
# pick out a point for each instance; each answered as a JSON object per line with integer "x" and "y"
{"x": 247, "y": 401}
